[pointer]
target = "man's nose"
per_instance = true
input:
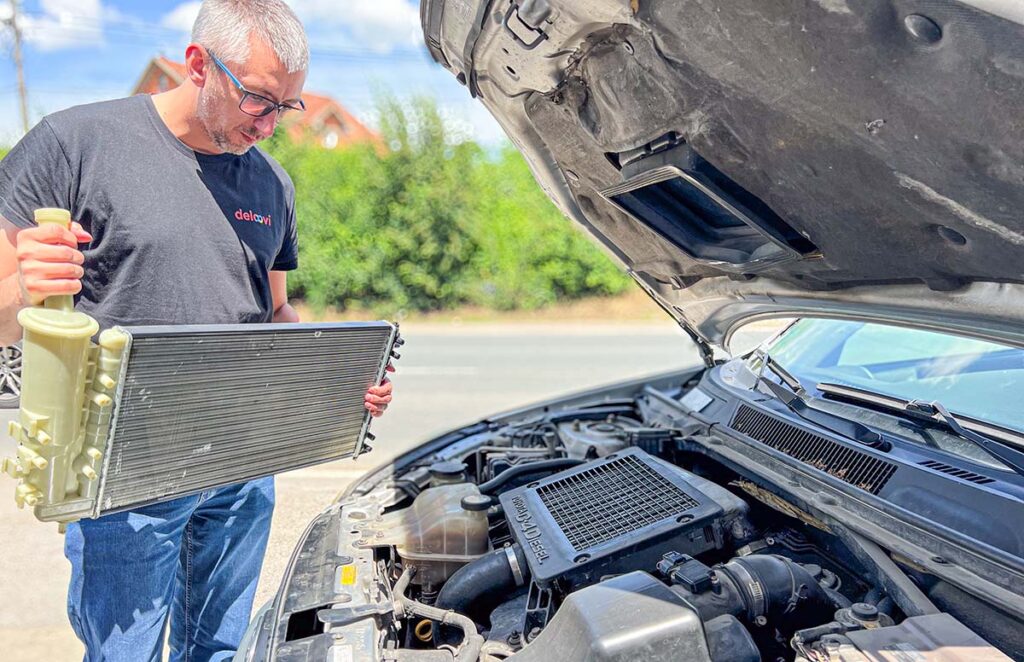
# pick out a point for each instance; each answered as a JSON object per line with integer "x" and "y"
{"x": 265, "y": 125}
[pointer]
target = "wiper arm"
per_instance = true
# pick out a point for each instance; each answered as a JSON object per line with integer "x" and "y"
{"x": 796, "y": 401}
{"x": 935, "y": 412}
{"x": 787, "y": 377}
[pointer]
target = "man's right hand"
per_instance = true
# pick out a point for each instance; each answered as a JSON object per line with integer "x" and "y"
{"x": 49, "y": 262}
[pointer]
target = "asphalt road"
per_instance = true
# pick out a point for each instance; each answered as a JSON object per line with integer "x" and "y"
{"x": 447, "y": 376}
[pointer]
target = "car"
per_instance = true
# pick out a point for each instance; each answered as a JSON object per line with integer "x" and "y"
{"x": 10, "y": 376}
{"x": 813, "y": 494}
{"x": 851, "y": 489}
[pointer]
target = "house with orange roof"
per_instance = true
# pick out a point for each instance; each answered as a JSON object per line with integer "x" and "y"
{"x": 325, "y": 121}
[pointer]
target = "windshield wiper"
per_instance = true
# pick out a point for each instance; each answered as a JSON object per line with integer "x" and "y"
{"x": 796, "y": 400}
{"x": 935, "y": 413}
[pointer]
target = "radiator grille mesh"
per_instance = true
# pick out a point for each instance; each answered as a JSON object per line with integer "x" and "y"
{"x": 848, "y": 465}
{"x": 199, "y": 410}
{"x": 611, "y": 500}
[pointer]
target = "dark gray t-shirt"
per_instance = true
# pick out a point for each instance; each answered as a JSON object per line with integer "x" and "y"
{"x": 178, "y": 237}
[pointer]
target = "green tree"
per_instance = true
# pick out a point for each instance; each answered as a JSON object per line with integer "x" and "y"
{"x": 426, "y": 221}
{"x": 530, "y": 255}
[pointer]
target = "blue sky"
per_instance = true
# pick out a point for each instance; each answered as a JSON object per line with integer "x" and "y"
{"x": 79, "y": 51}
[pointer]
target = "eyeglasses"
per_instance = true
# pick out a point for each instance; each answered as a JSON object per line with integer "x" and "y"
{"x": 252, "y": 104}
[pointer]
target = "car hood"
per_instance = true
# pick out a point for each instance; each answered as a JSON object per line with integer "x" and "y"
{"x": 757, "y": 158}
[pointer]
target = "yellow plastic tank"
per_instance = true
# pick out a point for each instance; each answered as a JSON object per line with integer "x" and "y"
{"x": 62, "y": 395}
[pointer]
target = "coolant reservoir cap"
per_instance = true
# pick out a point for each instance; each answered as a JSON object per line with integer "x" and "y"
{"x": 448, "y": 469}
{"x": 864, "y": 611}
{"x": 72, "y": 325}
{"x": 476, "y": 502}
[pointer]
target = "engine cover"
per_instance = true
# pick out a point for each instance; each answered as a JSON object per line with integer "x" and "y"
{"x": 616, "y": 514}
{"x": 636, "y": 617}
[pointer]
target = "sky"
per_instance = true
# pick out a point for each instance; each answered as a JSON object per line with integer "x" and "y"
{"x": 78, "y": 51}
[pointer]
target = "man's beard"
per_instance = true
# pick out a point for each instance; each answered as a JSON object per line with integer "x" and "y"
{"x": 208, "y": 115}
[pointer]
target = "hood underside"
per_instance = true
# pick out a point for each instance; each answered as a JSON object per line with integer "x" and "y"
{"x": 748, "y": 158}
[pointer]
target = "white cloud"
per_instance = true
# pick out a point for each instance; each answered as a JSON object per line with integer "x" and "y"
{"x": 66, "y": 24}
{"x": 378, "y": 25}
{"x": 181, "y": 17}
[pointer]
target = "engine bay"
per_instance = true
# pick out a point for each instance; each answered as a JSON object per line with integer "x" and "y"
{"x": 590, "y": 533}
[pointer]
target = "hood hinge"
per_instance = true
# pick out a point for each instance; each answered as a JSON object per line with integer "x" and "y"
{"x": 707, "y": 353}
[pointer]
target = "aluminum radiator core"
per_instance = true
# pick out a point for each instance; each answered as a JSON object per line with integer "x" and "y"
{"x": 193, "y": 408}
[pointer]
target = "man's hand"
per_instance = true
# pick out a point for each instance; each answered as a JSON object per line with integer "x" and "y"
{"x": 379, "y": 397}
{"x": 49, "y": 262}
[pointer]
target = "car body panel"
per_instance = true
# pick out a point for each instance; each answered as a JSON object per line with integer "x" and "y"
{"x": 880, "y": 138}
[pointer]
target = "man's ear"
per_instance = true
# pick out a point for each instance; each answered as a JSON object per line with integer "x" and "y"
{"x": 197, "y": 64}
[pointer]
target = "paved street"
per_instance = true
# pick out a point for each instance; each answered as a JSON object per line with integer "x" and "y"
{"x": 447, "y": 376}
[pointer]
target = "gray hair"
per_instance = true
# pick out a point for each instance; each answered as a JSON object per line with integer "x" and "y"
{"x": 225, "y": 27}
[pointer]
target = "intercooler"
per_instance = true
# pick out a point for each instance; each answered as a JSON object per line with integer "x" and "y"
{"x": 617, "y": 513}
{"x": 170, "y": 411}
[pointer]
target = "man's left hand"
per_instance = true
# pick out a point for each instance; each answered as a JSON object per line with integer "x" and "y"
{"x": 379, "y": 397}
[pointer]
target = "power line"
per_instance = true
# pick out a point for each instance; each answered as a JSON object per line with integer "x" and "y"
{"x": 12, "y": 22}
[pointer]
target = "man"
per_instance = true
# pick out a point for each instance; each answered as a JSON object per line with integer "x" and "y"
{"x": 158, "y": 185}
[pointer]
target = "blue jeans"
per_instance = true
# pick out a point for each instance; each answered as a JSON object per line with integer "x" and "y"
{"x": 194, "y": 559}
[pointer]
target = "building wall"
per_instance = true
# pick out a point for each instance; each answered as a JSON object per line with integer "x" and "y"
{"x": 156, "y": 80}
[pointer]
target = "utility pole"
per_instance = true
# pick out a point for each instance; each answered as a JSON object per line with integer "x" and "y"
{"x": 18, "y": 64}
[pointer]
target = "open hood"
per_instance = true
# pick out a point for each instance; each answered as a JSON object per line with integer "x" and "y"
{"x": 750, "y": 158}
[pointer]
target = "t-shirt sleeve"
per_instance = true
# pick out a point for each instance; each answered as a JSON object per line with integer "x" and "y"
{"x": 288, "y": 256}
{"x": 35, "y": 173}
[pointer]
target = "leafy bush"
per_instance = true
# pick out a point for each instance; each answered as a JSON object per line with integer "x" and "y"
{"x": 529, "y": 254}
{"x": 426, "y": 222}
{"x": 383, "y": 226}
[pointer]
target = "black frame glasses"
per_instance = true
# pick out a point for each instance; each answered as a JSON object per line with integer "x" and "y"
{"x": 264, "y": 105}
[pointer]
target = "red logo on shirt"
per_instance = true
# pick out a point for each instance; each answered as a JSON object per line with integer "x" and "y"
{"x": 252, "y": 217}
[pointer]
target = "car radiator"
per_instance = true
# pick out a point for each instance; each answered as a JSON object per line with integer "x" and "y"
{"x": 155, "y": 413}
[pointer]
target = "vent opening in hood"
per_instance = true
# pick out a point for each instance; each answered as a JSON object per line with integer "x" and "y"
{"x": 709, "y": 216}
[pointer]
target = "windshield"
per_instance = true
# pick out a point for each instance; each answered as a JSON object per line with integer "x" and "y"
{"x": 973, "y": 378}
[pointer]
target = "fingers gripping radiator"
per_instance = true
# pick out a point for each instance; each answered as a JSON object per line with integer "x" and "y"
{"x": 154, "y": 413}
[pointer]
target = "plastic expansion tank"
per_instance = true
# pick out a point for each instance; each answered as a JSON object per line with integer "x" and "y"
{"x": 68, "y": 384}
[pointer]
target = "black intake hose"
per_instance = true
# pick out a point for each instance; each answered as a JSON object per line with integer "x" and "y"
{"x": 528, "y": 469}
{"x": 761, "y": 589}
{"x": 478, "y": 587}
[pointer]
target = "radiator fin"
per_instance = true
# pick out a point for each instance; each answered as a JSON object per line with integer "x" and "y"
{"x": 199, "y": 410}
{"x": 838, "y": 460}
